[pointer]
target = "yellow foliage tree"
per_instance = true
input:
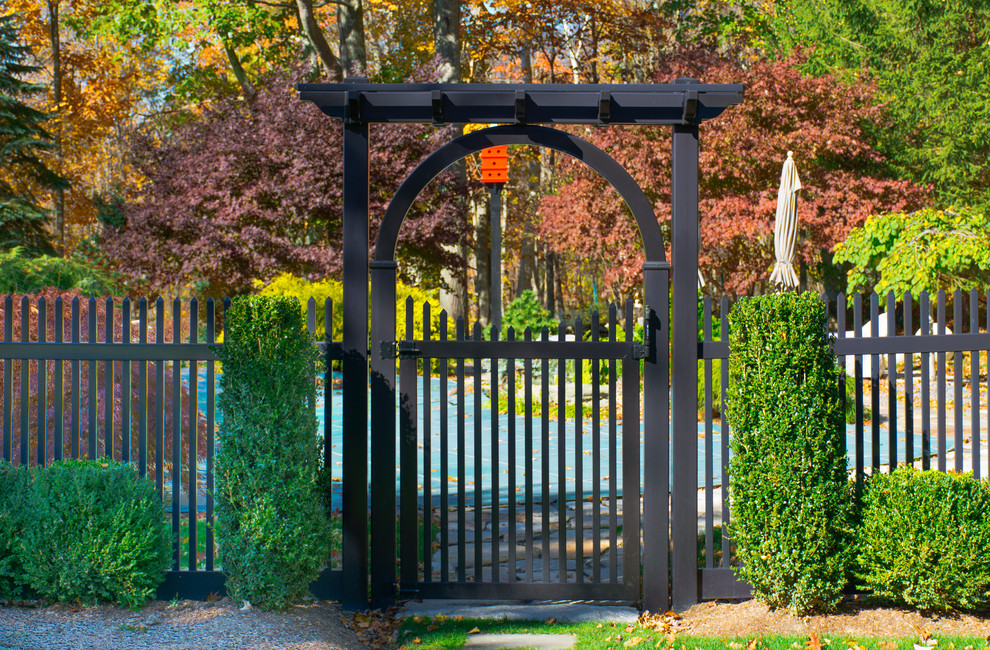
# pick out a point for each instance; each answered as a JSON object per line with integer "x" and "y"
{"x": 98, "y": 89}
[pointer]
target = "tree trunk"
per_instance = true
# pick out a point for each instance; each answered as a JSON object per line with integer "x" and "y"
{"x": 530, "y": 186}
{"x": 247, "y": 88}
{"x": 447, "y": 38}
{"x": 447, "y": 44}
{"x": 482, "y": 252}
{"x": 549, "y": 283}
{"x": 311, "y": 30}
{"x": 350, "y": 22}
{"x": 59, "y": 194}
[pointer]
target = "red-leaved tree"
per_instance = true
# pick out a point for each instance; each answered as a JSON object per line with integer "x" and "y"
{"x": 249, "y": 191}
{"x": 821, "y": 120}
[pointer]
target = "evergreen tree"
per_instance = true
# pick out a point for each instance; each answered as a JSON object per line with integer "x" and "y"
{"x": 23, "y": 143}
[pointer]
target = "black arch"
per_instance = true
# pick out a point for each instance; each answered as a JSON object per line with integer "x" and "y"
{"x": 540, "y": 136}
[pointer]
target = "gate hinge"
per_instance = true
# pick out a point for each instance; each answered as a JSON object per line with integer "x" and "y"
{"x": 640, "y": 351}
{"x": 399, "y": 350}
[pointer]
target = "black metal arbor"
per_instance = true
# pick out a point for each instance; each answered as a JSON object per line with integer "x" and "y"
{"x": 519, "y": 109}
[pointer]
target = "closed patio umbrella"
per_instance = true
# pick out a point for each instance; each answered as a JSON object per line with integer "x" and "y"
{"x": 785, "y": 227}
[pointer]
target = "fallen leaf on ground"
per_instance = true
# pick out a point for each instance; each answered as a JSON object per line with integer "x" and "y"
{"x": 550, "y": 621}
{"x": 474, "y": 630}
{"x": 633, "y": 642}
{"x": 813, "y": 642}
{"x": 430, "y": 628}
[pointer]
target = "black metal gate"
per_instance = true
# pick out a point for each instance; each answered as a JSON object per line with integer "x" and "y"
{"x": 516, "y": 478}
{"x": 683, "y": 106}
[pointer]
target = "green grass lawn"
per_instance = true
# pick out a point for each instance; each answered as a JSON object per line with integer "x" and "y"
{"x": 423, "y": 633}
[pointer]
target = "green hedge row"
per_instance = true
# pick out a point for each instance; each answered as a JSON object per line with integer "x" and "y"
{"x": 86, "y": 530}
{"x": 916, "y": 538}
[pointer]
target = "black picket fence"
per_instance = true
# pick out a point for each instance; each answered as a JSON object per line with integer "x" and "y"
{"x": 918, "y": 396}
{"x": 914, "y": 384}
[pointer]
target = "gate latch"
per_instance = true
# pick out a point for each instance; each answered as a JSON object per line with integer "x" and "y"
{"x": 399, "y": 350}
{"x": 640, "y": 351}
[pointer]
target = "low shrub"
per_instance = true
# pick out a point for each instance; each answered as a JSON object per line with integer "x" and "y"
{"x": 527, "y": 311}
{"x": 790, "y": 504}
{"x": 272, "y": 528}
{"x": 20, "y": 272}
{"x": 14, "y": 485}
{"x": 924, "y": 539}
{"x": 95, "y": 531}
{"x": 302, "y": 290}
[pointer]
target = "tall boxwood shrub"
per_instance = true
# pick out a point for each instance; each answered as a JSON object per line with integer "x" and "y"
{"x": 790, "y": 503}
{"x": 96, "y": 531}
{"x": 924, "y": 539}
{"x": 272, "y": 530}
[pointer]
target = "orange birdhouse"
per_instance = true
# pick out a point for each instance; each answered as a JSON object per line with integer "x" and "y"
{"x": 495, "y": 165}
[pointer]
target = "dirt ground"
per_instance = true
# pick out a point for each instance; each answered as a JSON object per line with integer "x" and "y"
{"x": 854, "y": 618}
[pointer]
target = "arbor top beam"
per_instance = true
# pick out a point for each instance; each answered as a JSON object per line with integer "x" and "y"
{"x": 686, "y": 101}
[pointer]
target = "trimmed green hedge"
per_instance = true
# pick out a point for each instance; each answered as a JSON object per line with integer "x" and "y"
{"x": 272, "y": 528}
{"x": 924, "y": 539}
{"x": 14, "y": 485}
{"x": 790, "y": 504}
{"x": 93, "y": 530}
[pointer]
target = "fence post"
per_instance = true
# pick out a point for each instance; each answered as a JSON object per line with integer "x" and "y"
{"x": 656, "y": 440}
{"x": 382, "y": 436}
{"x": 354, "y": 413}
{"x": 684, "y": 245}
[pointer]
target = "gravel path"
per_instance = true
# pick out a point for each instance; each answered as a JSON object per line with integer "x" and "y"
{"x": 176, "y": 626}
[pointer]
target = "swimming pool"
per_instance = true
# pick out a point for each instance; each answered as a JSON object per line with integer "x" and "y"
{"x": 446, "y": 472}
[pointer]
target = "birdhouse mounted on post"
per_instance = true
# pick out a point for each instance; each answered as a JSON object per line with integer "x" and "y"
{"x": 495, "y": 165}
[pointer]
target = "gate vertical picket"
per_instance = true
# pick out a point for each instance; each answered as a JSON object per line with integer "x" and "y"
{"x": 596, "y": 464}
{"x": 891, "y": 387}
{"x": 630, "y": 460}
{"x": 528, "y": 448}
{"x": 461, "y": 469}
{"x": 477, "y": 449}
{"x": 428, "y": 453}
{"x": 940, "y": 386}
{"x": 42, "y": 366}
{"x": 545, "y": 454}
{"x": 561, "y": 456}
{"x": 957, "y": 393}
{"x": 724, "y": 420}
{"x": 908, "y": 385}
{"x": 210, "y": 421}
{"x": 578, "y": 458}
{"x": 974, "y": 384}
{"x": 924, "y": 320}
{"x": 495, "y": 467}
{"x": 143, "y": 396}
{"x": 408, "y": 461}
{"x": 108, "y": 377}
{"x": 444, "y": 463}
{"x": 125, "y": 384}
{"x": 193, "y": 434}
{"x": 58, "y": 407}
{"x": 613, "y": 452}
{"x": 8, "y": 393}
